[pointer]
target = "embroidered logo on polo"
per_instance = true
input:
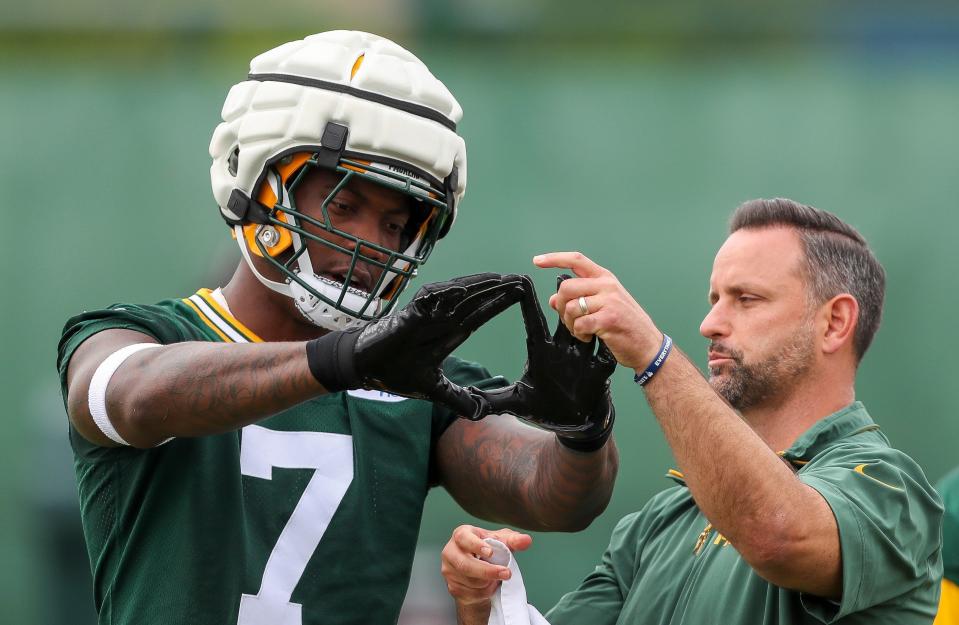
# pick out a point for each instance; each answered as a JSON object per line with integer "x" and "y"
{"x": 861, "y": 470}
{"x": 704, "y": 537}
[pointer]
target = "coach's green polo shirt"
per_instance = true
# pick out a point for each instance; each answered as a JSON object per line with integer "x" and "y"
{"x": 666, "y": 565}
{"x": 948, "y": 488}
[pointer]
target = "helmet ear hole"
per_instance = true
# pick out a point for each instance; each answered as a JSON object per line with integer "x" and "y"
{"x": 233, "y": 162}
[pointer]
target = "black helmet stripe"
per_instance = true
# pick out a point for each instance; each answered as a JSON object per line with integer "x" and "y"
{"x": 409, "y": 107}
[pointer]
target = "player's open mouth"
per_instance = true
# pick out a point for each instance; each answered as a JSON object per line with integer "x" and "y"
{"x": 357, "y": 281}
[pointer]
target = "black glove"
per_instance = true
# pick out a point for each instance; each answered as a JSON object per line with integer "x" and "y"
{"x": 402, "y": 353}
{"x": 565, "y": 387}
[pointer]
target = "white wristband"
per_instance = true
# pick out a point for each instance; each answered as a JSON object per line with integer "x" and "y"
{"x": 97, "y": 396}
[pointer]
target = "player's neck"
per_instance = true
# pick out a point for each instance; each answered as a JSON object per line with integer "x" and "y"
{"x": 270, "y": 315}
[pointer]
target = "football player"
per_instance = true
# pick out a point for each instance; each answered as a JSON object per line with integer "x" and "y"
{"x": 260, "y": 453}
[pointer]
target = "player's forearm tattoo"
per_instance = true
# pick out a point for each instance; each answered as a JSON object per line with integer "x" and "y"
{"x": 205, "y": 389}
{"x": 523, "y": 476}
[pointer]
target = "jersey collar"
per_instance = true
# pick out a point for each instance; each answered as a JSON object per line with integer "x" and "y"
{"x": 219, "y": 319}
{"x": 850, "y": 421}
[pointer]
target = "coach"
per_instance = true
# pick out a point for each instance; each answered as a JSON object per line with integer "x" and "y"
{"x": 791, "y": 507}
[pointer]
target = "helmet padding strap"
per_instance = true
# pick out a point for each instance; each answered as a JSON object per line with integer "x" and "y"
{"x": 246, "y": 210}
{"x": 332, "y": 143}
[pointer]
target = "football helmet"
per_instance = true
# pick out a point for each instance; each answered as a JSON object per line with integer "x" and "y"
{"x": 359, "y": 105}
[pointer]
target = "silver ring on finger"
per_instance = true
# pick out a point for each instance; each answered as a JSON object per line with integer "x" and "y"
{"x": 583, "y": 307}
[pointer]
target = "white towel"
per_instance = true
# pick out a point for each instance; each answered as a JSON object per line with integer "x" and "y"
{"x": 509, "y": 602}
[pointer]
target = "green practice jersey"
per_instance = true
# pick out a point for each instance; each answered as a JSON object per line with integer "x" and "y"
{"x": 666, "y": 565}
{"x": 310, "y": 516}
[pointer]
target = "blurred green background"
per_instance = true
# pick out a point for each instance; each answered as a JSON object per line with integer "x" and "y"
{"x": 628, "y": 131}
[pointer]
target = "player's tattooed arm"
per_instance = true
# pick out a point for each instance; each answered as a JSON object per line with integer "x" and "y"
{"x": 186, "y": 389}
{"x": 503, "y": 470}
{"x": 199, "y": 388}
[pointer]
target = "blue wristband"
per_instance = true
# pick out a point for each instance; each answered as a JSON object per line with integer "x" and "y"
{"x": 657, "y": 362}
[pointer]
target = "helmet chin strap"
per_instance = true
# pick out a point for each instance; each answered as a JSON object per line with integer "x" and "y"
{"x": 314, "y": 308}
{"x": 280, "y": 287}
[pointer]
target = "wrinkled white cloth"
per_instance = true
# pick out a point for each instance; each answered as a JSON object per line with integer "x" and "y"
{"x": 509, "y": 602}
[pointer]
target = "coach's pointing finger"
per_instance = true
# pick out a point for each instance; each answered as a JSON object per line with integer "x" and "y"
{"x": 596, "y": 303}
{"x": 577, "y": 262}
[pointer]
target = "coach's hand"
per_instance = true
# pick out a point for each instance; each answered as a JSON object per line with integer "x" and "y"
{"x": 402, "y": 353}
{"x": 596, "y": 304}
{"x": 565, "y": 387}
{"x": 469, "y": 579}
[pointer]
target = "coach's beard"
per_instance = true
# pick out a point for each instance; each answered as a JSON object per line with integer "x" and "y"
{"x": 747, "y": 385}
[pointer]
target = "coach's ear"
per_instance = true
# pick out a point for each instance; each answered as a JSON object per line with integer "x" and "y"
{"x": 838, "y": 320}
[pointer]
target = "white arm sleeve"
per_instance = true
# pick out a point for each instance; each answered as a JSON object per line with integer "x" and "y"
{"x": 509, "y": 606}
{"x": 97, "y": 395}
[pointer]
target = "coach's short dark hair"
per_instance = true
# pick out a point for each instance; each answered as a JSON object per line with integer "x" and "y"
{"x": 837, "y": 258}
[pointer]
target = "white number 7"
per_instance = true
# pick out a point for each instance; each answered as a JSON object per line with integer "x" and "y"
{"x": 332, "y": 456}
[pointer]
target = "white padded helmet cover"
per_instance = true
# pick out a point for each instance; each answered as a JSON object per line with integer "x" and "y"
{"x": 264, "y": 118}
